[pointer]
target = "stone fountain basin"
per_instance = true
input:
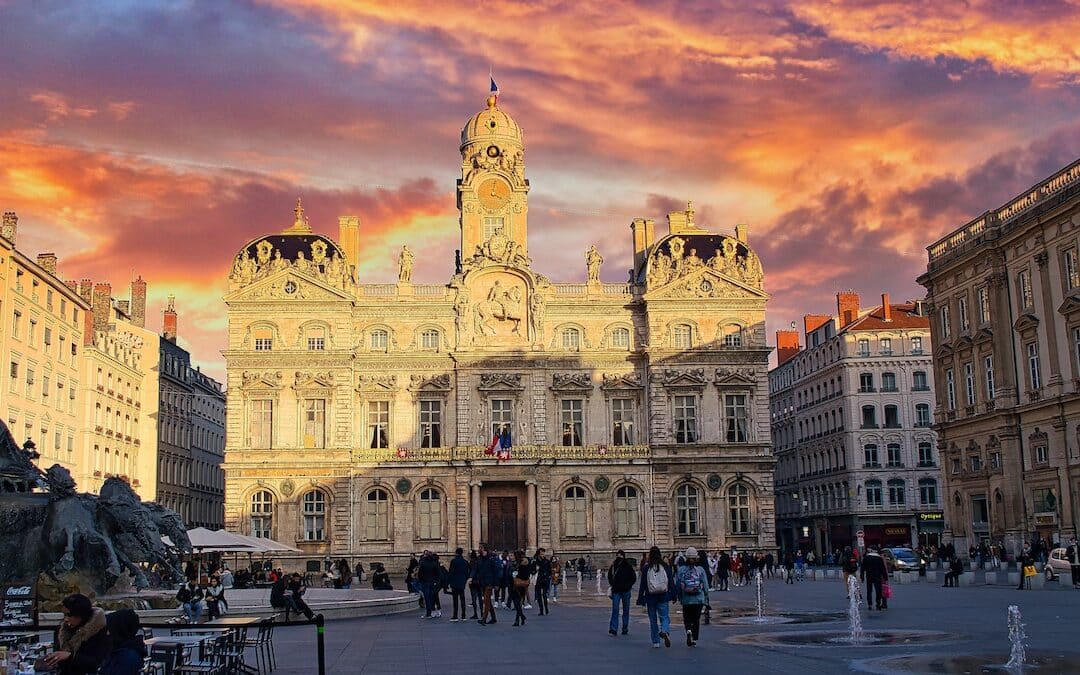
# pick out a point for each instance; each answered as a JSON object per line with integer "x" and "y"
{"x": 949, "y": 664}
{"x": 836, "y": 638}
{"x": 750, "y": 618}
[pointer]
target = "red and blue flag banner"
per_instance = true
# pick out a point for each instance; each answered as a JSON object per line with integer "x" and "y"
{"x": 494, "y": 88}
{"x": 490, "y": 450}
{"x": 505, "y": 444}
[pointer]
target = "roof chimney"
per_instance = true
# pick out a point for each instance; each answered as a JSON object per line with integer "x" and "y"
{"x": 47, "y": 262}
{"x": 787, "y": 345}
{"x": 349, "y": 239}
{"x": 138, "y": 302}
{"x": 847, "y": 307}
{"x": 740, "y": 232}
{"x": 168, "y": 324}
{"x": 642, "y": 230}
{"x": 811, "y": 322}
{"x": 101, "y": 306}
{"x": 886, "y": 308}
{"x": 10, "y": 226}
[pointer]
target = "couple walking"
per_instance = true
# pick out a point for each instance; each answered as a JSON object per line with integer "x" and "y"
{"x": 659, "y": 586}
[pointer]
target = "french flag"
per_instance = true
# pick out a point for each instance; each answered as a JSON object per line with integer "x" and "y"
{"x": 490, "y": 450}
{"x": 494, "y": 88}
{"x": 504, "y": 445}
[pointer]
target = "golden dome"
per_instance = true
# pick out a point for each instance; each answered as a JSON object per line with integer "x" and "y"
{"x": 491, "y": 124}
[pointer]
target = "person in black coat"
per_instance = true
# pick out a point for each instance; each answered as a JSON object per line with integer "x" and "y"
{"x": 128, "y": 649}
{"x": 476, "y": 593}
{"x": 621, "y": 578}
{"x": 457, "y": 577}
{"x": 874, "y": 571}
{"x": 488, "y": 575}
{"x": 543, "y": 580}
{"x": 427, "y": 574}
{"x": 81, "y": 641}
{"x": 723, "y": 569}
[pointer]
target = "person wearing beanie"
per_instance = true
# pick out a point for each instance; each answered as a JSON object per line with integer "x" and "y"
{"x": 81, "y": 640}
{"x": 128, "y": 649}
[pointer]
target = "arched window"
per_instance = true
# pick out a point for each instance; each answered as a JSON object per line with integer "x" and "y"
{"x": 687, "y": 514}
{"x": 870, "y": 455}
{"x": 873, "y": 493}
{"x": 430, "y": 512}
{"x": 314, "y": 511}
{"x": 620, "y": 338}
{"x": 380, "y": 340}
{"x": 888, "y": 382}
{"x": 626, "y": 512}
{"x": 739, "y": 509}
{"x": 571, "y": 338}
{"x": 892, "y": 417}
{"x": 429, "y": 339}
{"x": 928, "y": 492}
{"x": 682, "y": 337}
{"x": 733, "y": 335}
{"x": 896, "y": 492}
{"x": 262, "y": 514}
{"x": 377, "y": 515}
{"x": 574, "y": 512}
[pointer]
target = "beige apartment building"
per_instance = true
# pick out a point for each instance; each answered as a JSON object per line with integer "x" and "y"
{"x": 360, "y": 415}
{"x": 1004, "y": 291}
{"x": 41, "y": 339}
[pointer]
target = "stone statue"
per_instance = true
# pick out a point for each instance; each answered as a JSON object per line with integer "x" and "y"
{"x": 278, "y": 263}
{"x": 754, "y": 273}
{"x": 501, "y": 305}
{"x": 693, "y": 261}
{"x": 302, "y": 264}
{"x": 405, "y": 264}
{"x": 537, "y": 309}
{"x": 593, "y": 260}
{"x": 461, "y": 313}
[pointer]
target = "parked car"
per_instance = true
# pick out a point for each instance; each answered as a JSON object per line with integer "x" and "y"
{"x": 1057, "y": 563}
{"x": 902, "y": 559}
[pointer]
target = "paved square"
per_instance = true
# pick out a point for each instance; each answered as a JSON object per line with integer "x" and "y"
{"x": 574, "y": 639}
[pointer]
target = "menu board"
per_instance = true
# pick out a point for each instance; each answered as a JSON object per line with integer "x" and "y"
{"x": 18, "y": 604}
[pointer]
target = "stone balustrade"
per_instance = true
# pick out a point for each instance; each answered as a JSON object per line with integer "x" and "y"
{"x": 518, "y": 452}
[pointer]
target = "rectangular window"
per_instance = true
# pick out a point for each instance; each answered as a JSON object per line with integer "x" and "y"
{"x": 984, "y": 305}
{"x": 492, "y": 226}
{"x": 886, "y": 346}
{"x": 916, "y": 345}
{"x": 919, "y": 381}
{"x": 926, "y": 453}
{"x": 735, "y": 414}
{"x": 71, "y": 397}
{"x": 892, "y": 417}
{"x": 429, "y": 339}
{"x": 430, "y": 424}
{"x": 622, "y": 421}
{"x": 1023, "y": 282}
{"x": 955, "y": 464}
{"x": 946, "y": 325}
{"x": 48, "y": 336}
{"x": 13, "y": 383}
{"x": 896, "y": 493}
{"x": 1033, "y": 365}
{"x": 45, "y": 387}
{"x": 686, "y": 419}
{"x": 260, "y": 424}
{"x": 314, "y": 429}
{"x": 1076, "y": 348}
{"x": 988, "y": 368}
{"x": 922, "y": 415}
{"x": 1072, "y": 270}
{"x": 888, "y": 382}
{"x": 928, "y": 492}
{"x": 502, "y": 416}
{"x": 866, "y": 382}
{"x": 1041, "y": 455}
{"x": 969, "y": 383}
{"x": 16, "y": 321}
{"x": 682, "y": 337}
{"x": 316, "y": 344}
{"x": 31, "y": 334}
{"x": 873, "y": 494}
{"x": 870, "y": 455}
{"x": 962, "y": 313}
{"x": 29, "y": 392}
{"x": 379, "y": 424}
{"x": 864, "y": 347}
{"x": 995, "y": 460}
{"x": 950, "y": 389}
{"x": 894, "y": 455}
{"x": 572, "y": 420}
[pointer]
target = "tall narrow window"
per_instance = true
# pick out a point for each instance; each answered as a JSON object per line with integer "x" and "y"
{"x": 686, "y": 511}
{"x": 873, "y": 493}
{"x": 962, "y": 313}
{"x": 314, "y": 504}
{"x": 620, "y": 338}
{"x": 950, "y": 389}
{"x": 928, "y": 492}
{"x": 739, "y": 509}
{"x": 926, "y": 453}
{"x": 627, "y": 520}
{"x": 888, "y": 382}
{"x": 379, "y": 424}
{"x": 682, "y": 337}
{"x": 869, "y": 417}
{"x": 864, "y": 347}
{"x": 1071, "y": 269}
{"x": 13, "y": 383}
{"x": 735, "y": 416}
{"x": 1023, "y": 281}
{"x": 314, "y": 423}
{"x": 946, "y": 323}
{"x": 969, "y": 383}
{"x": 377, "y": 515}
{"x": 380, "y": 340}
{"x": 896, "y": 492}
{"x": 574, "y": 512}
{"x": 16, "y": 322}
{"x": 922, "y": 414}
{"x": 984, "y": 305}
{"x": 866, "y": 382}
{"x": 572, "y": 420}
{"x": 1076, "y": 347}
{"x": 264, "y": 339}
{"x": 622, "y": 421}
{"x": 870, "y": 455}
{"x": 1033, "y": 365}
{"x": 916, "y": 346}
{"x": 260, "y": 423}
{"x": 430, "y": 514}
{"x": 685, "y": 419}
{"x": 430, "y": 424}
{"x": 919, "y": 381}
{"x": 29, "y": 393}
{"x": 886, "y": 346}
{"x": 262, "y": 513}
{"x": 501, "y": 415}
{"x": 894, "y": 457}
{"x": 429, "y": 340}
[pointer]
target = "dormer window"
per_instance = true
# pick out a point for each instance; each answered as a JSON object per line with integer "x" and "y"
{"x": 380, "y": 339}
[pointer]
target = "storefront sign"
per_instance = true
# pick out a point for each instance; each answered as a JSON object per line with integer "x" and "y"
{"x": 931, "y": 517}
{"x": 897, "y": 531}
{"x": 1045, "y": 520}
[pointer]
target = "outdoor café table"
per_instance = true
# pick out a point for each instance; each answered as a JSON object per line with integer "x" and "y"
{"x": 182, "y": 641}
{"x": 239, "y": 624}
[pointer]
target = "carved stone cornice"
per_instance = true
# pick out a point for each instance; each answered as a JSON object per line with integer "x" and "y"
{"x": 613, "y": 382}
{"x": 377, "y": 384}
{"x": 1042, "y": 258}
{"x": 572, "y": 383}
{"x": 432, "y": 384}
{"x": 495, "y": 382}
{"x": 692, "y": 377}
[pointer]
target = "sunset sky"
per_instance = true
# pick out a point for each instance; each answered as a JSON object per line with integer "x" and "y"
{"x": 157, "y": 138}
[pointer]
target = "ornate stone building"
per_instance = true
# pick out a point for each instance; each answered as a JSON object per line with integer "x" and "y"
{"x": 1004, "y": 290}
{"x": 360, "y": 415}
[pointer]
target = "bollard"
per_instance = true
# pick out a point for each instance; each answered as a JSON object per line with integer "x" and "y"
{"x": 931, "y": 576}
{"x": 966, "y": 579}
{"x": 320, "y": 642}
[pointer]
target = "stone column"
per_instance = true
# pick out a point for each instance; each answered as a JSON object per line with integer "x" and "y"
{"x": 1048, "y": 313}
{"x": 474, "y": 506}
{"x": 530, "y": 515}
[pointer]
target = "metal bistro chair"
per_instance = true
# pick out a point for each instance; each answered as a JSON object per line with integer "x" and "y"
{"x": 151, "y": 667}
{"x": 263, "y": 644}
{"x": 167, "y": 655}
{"x": 213, "y": 660}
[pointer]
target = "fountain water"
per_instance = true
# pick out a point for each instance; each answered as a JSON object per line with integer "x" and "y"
{"x": 1016, "y": 637}
{"x": 599, "y": 591}
{"x": 854, "y": 616}
{"x": 759, "y": 598}
{"x": 579, "y": 581}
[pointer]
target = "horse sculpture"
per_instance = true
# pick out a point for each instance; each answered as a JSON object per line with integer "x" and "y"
{"x": 501, "y": 305}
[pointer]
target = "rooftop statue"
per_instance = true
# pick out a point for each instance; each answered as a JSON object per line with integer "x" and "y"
{"x": 68, "y": 537}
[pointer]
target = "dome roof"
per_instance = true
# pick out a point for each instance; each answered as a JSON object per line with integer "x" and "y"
{"x": 704, "y": 246}
{"x": 491, "y": 124}
{"x": 315, "y": 247}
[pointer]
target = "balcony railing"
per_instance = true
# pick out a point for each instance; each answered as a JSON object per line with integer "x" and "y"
{"x": 518, "y": 452}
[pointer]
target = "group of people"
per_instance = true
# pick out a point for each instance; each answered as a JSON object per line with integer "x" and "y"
{"x": 194, "y": 597}
{"x": 89, "y": 641}
{"x": 682, "y": 578}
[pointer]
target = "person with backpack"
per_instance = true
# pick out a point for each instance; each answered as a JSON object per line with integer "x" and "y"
{"x": 655, "y": 593}
{"x": 621, "y": 578}
{"x": 850, "y": 564}
{"x": 690, "y": 582}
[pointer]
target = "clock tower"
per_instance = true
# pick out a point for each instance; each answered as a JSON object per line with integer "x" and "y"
{"x": 492, "y": 193}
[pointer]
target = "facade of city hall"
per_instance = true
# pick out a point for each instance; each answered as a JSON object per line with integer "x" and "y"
{"x": 360, "y": 415}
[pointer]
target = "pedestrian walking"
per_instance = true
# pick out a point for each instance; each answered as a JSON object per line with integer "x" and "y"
{"x": 621, "y": 577}
{"x": 427, "y": 574}
{"x": 542, "y": 565}
{"x": 488, "y": 576}
{"x": 656, "y": 592}
{"x": 690, "y": 581}
{"x": 520, "y": 590}
{"x": 556, "y": 577}
{"x": 789, "y": 568}
{"x": 723, "y": 568}
{"x": 457, "y": 578}
{"x": 849, "y": 563}
{"x": 476, "y": 593}
{"x": 874, "y": 571}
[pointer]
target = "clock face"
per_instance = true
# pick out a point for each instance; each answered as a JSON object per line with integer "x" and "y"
{"x": 493, "y": 193}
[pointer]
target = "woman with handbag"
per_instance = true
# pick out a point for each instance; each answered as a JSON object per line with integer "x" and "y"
{"x": 520, "y": 588}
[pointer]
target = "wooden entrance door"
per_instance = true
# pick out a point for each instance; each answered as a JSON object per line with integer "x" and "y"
{"x": 502, "y": 531}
